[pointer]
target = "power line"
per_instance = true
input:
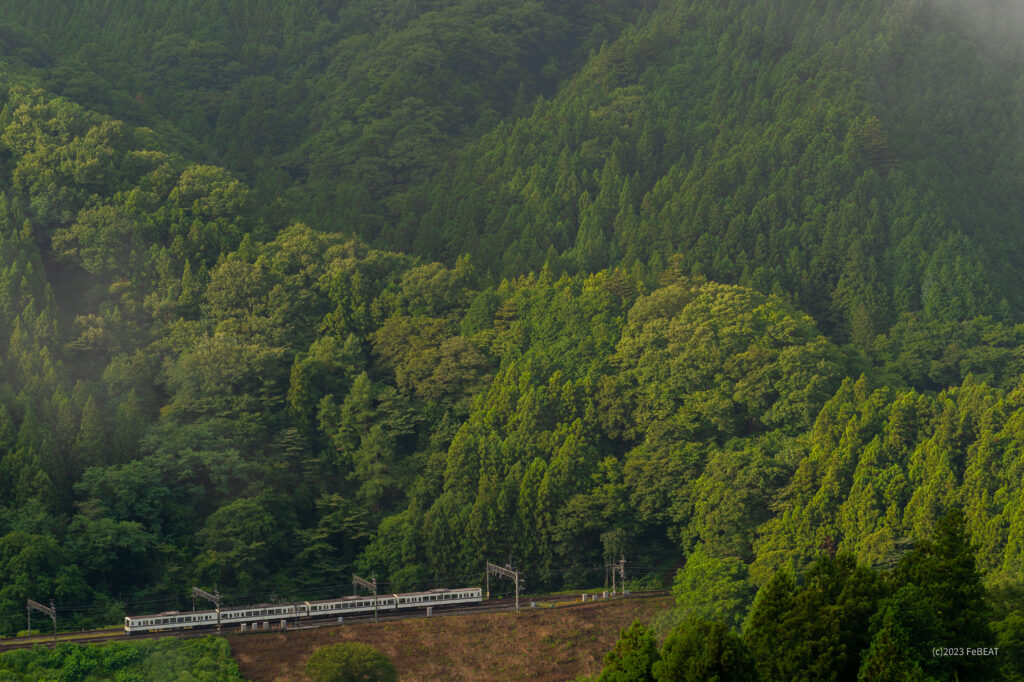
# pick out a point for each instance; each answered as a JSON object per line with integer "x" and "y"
{"x": 50, "y": 611}
{"x": 506, "y": 572}
{"x": 211, "y": 597}
{"x": 358, "y": 582}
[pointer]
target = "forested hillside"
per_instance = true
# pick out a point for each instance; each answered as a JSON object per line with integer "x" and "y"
{"x": 295, "y": 290}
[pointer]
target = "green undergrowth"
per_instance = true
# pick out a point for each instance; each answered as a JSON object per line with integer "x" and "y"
{"x": 194, "y": 660}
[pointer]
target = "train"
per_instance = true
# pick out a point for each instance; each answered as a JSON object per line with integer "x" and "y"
{"x": 266, "y": 613}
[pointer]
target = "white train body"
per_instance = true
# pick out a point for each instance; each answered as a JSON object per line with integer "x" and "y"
{"x": 341, "y": 606}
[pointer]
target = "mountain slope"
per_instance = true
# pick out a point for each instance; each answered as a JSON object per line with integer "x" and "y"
{"x": 859, "y": 159}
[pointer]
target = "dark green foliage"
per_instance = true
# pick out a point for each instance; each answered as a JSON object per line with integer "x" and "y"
{"x": 633, "y": 657}
{"x": 843, "y": 621}
{"x": 944, "y": 575}
{"x": 691, "y": 138}
{"x": 350, "y": 662}
{"x": 905, "y": 632}
{"x": 818, "y": 629}
{"x": 1010, "y": 639}
{"x": 731, "y": 282}
{"x": 698, "y": 649}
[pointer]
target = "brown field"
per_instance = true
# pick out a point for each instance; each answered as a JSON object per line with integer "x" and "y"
{"x": 541, "y": 645}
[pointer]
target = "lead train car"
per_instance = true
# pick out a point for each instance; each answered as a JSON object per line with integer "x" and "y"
{"x": 342, "y": 606}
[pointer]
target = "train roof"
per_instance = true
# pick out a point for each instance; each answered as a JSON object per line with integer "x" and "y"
{"x": 437, "y": 590}
{"x": 164, "y": 614}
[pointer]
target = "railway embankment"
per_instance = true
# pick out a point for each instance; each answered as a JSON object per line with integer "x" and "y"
{"x": 541, "y": 645}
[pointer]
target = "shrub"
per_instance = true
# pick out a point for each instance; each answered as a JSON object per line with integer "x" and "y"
{"x": 350, "y": 662}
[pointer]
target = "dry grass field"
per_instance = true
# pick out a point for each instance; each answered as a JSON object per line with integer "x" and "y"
{"x": 542, "y": 645}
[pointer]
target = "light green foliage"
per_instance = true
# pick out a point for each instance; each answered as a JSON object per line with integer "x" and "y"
{"x": 732, "y": 282}
{"x": 350, "y": 662}
{"x": 633, "y": 657}
{"x": 713, "y": 588}
{"x": 745, "y": 362}
{"x": 204, "y": 660}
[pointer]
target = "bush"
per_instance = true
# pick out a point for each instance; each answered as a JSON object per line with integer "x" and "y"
{"x": 698, "y": 650}
{"x": 350, "y": 662}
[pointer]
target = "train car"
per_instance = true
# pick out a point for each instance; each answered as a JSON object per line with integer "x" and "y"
{"x": 169, "y": 620}
{"x": 260, "y": 612}
{"x": 340, "y": 606}
{"x": 439, "y": 597}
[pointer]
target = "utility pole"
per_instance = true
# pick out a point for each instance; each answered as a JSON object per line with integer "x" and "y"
{"x": 368, "y": 584}
{"x": 211, "y": 597}
{"x": 50, "y": 611}
{"x": 506, "y": 572}
{"x": 616, "y": 568}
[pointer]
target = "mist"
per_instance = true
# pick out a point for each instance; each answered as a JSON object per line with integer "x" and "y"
{"x": 997, "y": 26}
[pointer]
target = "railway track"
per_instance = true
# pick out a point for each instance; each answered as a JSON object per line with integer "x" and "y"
{"x": 489, "y": 606}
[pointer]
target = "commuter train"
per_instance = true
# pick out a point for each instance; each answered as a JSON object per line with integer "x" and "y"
{"x": 260, "y": 613}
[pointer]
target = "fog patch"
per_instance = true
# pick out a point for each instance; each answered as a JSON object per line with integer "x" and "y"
{"x": 996, "y": 26}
